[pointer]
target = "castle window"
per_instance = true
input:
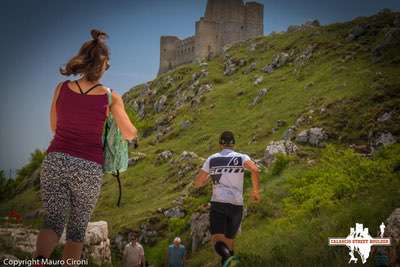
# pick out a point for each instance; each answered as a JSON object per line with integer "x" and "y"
{"x": 242, "y": 27}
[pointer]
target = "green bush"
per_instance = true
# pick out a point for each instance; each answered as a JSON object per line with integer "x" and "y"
{"x": 280, "y": 163}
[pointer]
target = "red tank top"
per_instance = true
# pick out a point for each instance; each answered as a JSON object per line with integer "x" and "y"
{"x": 80, "y": 121}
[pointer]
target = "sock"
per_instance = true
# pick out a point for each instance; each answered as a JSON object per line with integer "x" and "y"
{"x": 222, "y": 250}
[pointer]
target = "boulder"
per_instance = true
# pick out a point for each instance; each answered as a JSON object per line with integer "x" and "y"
{"x": 274, "y": 147}
{"x": 175, "y": 212}
{"x": 390, "y": 40}
{"x": 199, "y": 229}
{"x": 164, "y": 156}
{"x": 278, "y": 61}
{"x": 20, "y": 237}
{"x": 136, "y": 157}
{"x": 96, "y": 243}
{"x": 356, "y": 32}
{"x": 290, "y": 133}
{"x": 314, "y": 136}
{"x": 160, "y": 104}
{"x": 250, "y": 68}
{"x": 185, "y": 124}
{"x": 258, "y": 80}
{"x": 259, "y": 96}
{"x": 384, "y": 117}
{"x": 384, "y": 139}
{"x": 392, "y": 231}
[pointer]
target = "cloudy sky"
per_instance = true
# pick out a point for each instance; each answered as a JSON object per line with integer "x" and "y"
{"x": 39, "y": 36}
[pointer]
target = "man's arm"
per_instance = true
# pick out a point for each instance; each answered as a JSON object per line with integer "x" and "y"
{"x": 255, "y": 179}
{"x": 201, "y": 179}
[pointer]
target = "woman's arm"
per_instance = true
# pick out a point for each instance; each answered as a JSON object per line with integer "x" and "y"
{"x": 126, "y": 127}
{"x": 53, "y": 112}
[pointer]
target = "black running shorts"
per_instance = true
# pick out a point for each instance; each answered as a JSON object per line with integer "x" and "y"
{"x": 225, "y": 218}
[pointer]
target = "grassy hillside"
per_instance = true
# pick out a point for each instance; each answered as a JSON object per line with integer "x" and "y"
{"x": 323, "y": 78}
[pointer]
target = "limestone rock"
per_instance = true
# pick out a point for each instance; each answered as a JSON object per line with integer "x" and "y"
{"x": 259, "y": 96}
{"x": 392, "y": 231}
{"x": 384, "y": 117}
{"x": 199, "y": 225}
{"x": 160, "y": 104}
{"x": 278, "y": 61}
{"x": 96, "y": 243}
{"x": 314, "y": 136}
{"x": 21, "y": 238}
{"x": 185, "y": 124}
{"x": 174, "y": 212}
{"x": 275, "y": 147}
{"x": 258, "y": 80}
{"x": 385, "y": 139}
{"x": 290, "y": 133}
{"x": 356, "y": 32}
{"x": 164, "y": 156}
{"x": 136, "y": 157}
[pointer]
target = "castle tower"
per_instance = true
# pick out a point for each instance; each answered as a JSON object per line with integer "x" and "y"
{"x": 224, "y": 22}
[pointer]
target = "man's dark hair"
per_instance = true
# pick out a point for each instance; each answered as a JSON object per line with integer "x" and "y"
{"x": 227, "y": 139}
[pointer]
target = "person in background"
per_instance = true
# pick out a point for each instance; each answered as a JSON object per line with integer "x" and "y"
{"x": 176, "y": 254}
{"x": 133, "y": 255}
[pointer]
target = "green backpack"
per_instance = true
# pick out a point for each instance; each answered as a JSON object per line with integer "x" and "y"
{"x": 115, "y": 148}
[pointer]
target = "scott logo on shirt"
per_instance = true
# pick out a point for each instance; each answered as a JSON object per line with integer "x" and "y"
{"x": 224, "y": 165}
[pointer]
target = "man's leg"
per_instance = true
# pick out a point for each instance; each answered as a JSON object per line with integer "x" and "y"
{"x": 218, "y": 222}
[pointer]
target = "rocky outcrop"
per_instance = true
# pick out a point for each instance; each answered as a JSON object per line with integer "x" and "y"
{"x": 96, "y": 244}
{"x": 199, "y": 229}
{"x": 135, "y": 158}
{"x": 175, "y": 212}
{"x": 390, "y": 40}
{"x": 392, "y": 231}
{"x": 382, "y": 139}
{"x": 275, "y": 147}
{"x": 259, "y": 96}
{"x": 314, "y": 136}
{"x": 278, "y": 61}
{"x": 164, "y": 157}
{"x": 20, "y": 237}
{"x": 160, "y": 104}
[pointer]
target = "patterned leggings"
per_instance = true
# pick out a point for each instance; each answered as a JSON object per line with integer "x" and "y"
{"x": 69, "y": 183}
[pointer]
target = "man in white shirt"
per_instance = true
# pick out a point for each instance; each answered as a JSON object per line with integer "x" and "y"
{"x": 133, "y": 255}
{"x": 226, "y": 169}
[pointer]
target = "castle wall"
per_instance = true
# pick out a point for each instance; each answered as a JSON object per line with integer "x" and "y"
{"x": 225, "y": 22}
{"x": 254, "y": 20}
{"x": 168, "y": 46}
{"x": 206, "y": 38}
{"x": 185, "y": 51}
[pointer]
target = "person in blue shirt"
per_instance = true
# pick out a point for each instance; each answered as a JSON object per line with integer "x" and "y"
{"x": 176, "y": 254}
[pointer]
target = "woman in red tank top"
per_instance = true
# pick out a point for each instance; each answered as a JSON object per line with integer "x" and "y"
{"x": 72, "y": 172}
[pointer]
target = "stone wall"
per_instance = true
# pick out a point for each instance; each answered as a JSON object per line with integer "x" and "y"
{"x": 225, "y": 22}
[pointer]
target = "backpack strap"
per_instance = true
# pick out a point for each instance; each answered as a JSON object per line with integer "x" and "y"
{"x": 109, "y": 94}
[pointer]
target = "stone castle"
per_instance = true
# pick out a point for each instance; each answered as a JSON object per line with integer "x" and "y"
{"x": 224, "y": 22}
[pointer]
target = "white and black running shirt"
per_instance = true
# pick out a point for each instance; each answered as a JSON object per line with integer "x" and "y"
{"x": 227, "y": 172}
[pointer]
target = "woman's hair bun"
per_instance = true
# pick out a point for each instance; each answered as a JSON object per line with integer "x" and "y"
{"x": 97, "y": 33}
